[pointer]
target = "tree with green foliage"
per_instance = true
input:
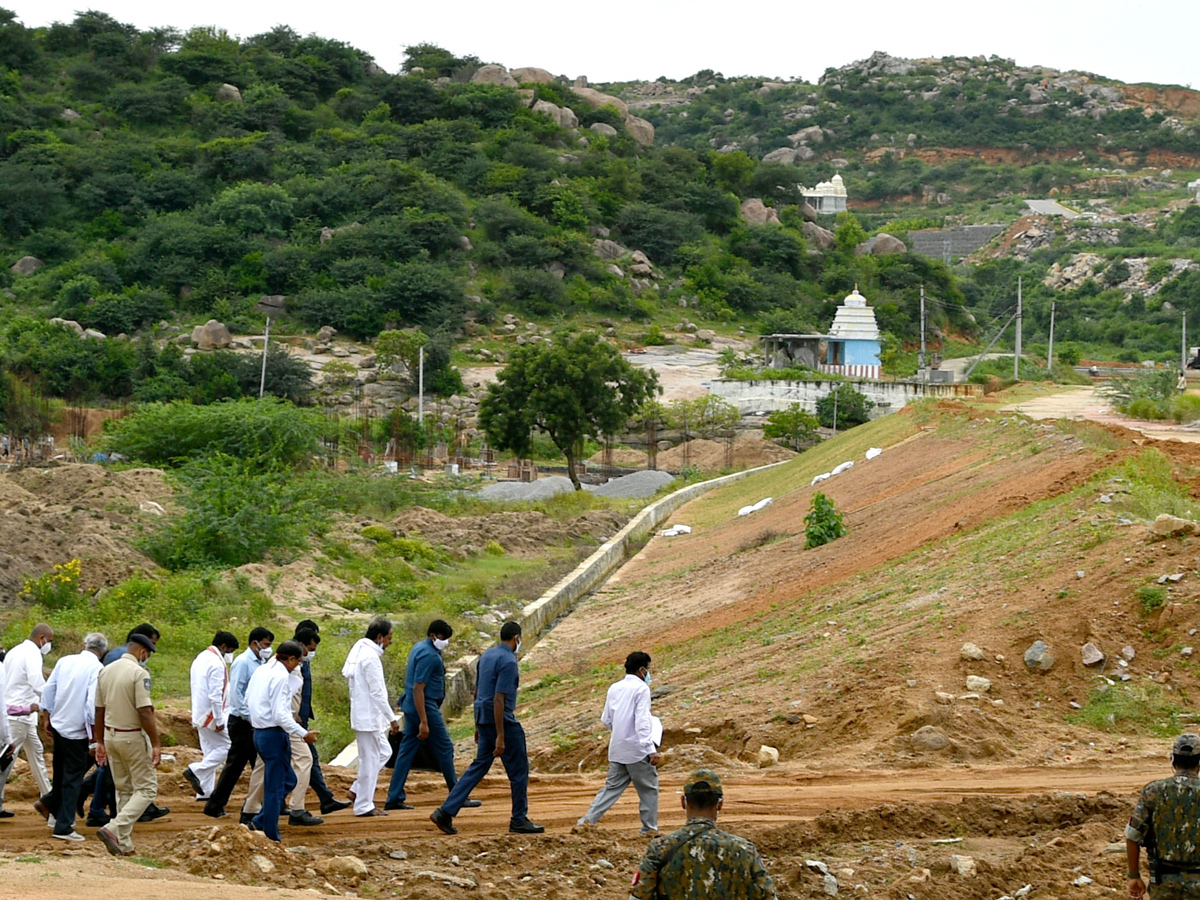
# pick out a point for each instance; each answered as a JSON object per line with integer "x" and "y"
{"x": 852, "y": 408}
{"x": 574, "y": 388}
{"x": 705, "y": 417}
{"x": 795, "y": 426}
{"x": 823, "y": 523}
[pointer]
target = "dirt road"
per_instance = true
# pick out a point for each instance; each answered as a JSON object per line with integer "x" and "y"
{"x": 1087, "y": 402}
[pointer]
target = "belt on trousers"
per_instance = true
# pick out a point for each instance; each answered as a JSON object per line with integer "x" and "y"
{"x": 121, "y": 730}
{"x": 270, "y": 728}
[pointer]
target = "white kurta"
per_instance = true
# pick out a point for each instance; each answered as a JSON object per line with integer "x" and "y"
{"x": 210, "y": 711}
{"x": 371, "y": 715}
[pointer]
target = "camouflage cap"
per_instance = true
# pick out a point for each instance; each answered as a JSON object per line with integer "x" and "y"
{"x": 1186, "y": 744}
{"x": 704, "y": 781}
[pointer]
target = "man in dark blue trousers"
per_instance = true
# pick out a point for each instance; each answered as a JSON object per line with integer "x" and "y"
{"x": 498, "y": 734}
{"x": 316, "y": 781}
{"x": 421, "y": 703}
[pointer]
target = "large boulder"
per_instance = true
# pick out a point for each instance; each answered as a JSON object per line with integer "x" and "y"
{"x": 596, "y": 99}
{"x": 603, "y": 128}
{"x": 754, "y": 212}
{"x": 639, "y": 129}
{"x": 813, "y": 134}
{"x": 822, "y": 238}
{"x": 1166, "y": 526}
{"x": 1038, "y": 657}
{"x": 532, "y": 75}
{"x": 928, "y": 739}
{"x": 68, "y": 323}
{"x": 881, "y": 245}
{"x": 606, "y": 249}
{"x": 806, "y": 210}
{"x": 212, "y": 335}
{"x": 228, "y": 93}
{"x": 493, "y": 75}
{"x": 26, "y": 265}
{"x": 785, "y": 155}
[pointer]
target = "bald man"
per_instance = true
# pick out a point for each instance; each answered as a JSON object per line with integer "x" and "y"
{"x": 23, "y": 669}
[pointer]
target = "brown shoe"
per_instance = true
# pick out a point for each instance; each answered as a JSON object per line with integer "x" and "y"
{"x": 375, "y": 812}
{"x": 111, "y": 844}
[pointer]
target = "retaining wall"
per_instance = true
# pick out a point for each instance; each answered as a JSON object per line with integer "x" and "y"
{"x": 541, "y": 614}
{"x": 888, "y": 396}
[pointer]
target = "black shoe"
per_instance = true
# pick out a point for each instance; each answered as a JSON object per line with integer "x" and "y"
{"x": 6, "y": 813}
{"x": 215, "y": 813}
{"x": 246, "y": 818}
{"x": 397, "y": 804}
{"x": 471, "y": 803}
{"x": 94, "y": 821}
{"x": 443, "y": 821}
{"x": 190, "y": 777}
{"x": 250, "y": 826}
{"x": 154, "y": 812}
{"x": 334, "y": 806}
{"x": 42, "y": 809}
{"x": 524, "y": 826}
{"x": 304, "y": 817}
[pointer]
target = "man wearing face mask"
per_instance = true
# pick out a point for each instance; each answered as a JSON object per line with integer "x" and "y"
{"x": 498, "y": 735}
{"x": 316, "y": 778}
{"x": 632, "y": 755}
{"x": 210, "y": 711}
{"x": 241, "y": 733}
{"x": 23, "y": 697}
{"x": 424, "y": 691}
{"x": 127, "y": 741}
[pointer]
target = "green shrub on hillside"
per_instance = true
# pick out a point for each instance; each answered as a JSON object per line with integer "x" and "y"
{"x": 823, "y": 522}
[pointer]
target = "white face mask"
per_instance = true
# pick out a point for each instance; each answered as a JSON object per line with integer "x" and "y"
{"x": 46, "y": 648}
{"x": 518, "y": 648}
{"x": 228, "y": 658}
{"x": 441, "y": 644}
{"x": 310, "y": 655}
{"x": 264, "y": 653}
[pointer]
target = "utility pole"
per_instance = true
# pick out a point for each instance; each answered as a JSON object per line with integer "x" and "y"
{"x": 1017, "y": 349}
{"x": 1050, "y": 351}
{"x": 421, "y": 385}
{"x": 921, "y": 355}
{"x": 262, "y": 381}
{"x": 1183, "y": 345}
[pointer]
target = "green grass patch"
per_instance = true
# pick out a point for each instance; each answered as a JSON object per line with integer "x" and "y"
{"x": 1152, "y": 597}
{"x": 1130, "y": 709}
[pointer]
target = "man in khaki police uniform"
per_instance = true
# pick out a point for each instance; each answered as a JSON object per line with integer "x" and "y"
{"x": 127, "y": 740}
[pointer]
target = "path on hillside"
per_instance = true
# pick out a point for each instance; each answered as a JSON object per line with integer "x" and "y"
{"x": 1088, "y": 402}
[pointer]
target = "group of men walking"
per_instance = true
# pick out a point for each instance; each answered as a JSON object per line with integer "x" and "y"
{"x": 254, "y": 708}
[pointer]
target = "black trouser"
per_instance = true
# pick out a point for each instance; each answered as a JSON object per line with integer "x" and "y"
{"x": 71, "y": 762}
{"x": 316, "y": 780}
{"x": 241, "y": 754}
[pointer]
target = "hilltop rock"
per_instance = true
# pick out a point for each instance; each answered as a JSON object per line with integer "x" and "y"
{"x": 596, "y": 99}
{"x": 608, "y": 249}
{"x": 815, "y": 234}
{"x": 785, "y": 155}
{"x": 563, "y": 116}
{"x": 26, "y": 265}
{"x": 532, "y": 75}
{"x": 228, "y": 93}
{"x": 212, "y": 335}
{"x": 68, "y": 323}
{"x": 813, "y": 134}
{"x": 639, "y": 129}
{"x": 809, "y": 214}
{"x": 881, "y": 244}
{"x": 754, "y": 212}
{"x": 603, "y": 128}
{"x": 493, "y": 75}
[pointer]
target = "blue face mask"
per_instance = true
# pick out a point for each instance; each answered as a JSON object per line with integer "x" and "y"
{"x": 647, "y": 678}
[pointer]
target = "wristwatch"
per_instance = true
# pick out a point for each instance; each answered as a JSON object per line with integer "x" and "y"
{"x": 1133, "y": 875}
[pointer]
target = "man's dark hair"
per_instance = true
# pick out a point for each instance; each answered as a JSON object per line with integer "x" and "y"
{"x": 509, "y": 630}
{"x": 441, "y": 628}
{"x": 702, "y": 800}
{"x": 261, "y": 634}
{"x": 1180, "y": 761}
{"x": 145, "y": 630}
{"x": 226, "y": 640}
{"x": 306, "y": 636}
{"x": 290, "y": 649}
{"x": 308, "y": 623}
{"x": 378, "y": 628}
{"x": 636, "y": 660}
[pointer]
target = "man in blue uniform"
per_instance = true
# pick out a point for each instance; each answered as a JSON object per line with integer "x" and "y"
{"x": 421, "y": 703}
{"x": 498, "y": 735}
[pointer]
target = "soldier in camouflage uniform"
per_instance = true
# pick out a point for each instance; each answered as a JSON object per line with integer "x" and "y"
{"x": 699, "y": 861}
{"x": 1167, "y": 823}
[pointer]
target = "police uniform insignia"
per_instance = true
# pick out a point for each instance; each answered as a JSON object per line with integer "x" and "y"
{"x": 146, "y": 682}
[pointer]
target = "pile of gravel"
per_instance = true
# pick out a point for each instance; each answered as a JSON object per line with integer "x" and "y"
{"x": 636, "y": 485}
{"x": 542, "y": 489}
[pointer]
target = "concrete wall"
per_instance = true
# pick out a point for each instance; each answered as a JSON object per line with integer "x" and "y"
{"x": 538, "y": 617}
{"x": 953, "y": 242}
{"x": 888, "y": 396}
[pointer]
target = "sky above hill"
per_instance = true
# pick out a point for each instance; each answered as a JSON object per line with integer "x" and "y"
{"x": 625, "y": 40}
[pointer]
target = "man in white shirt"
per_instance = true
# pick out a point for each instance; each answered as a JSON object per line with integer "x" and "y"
{"x": 371, "y": 713}
{"x": 69, "y": 698}
{"x": 23, "y": 697}
{"x": 210, "y": 711}
{"x": 269, "y": 700}
{"x": 632, "y": 753}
